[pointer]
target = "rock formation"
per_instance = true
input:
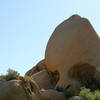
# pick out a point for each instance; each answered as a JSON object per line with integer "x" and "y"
{"x": 19, "y": 90}
{"x": 10, "y": 90}
{"x": 73, "y": 42}
{"x": 40, "y": 66}
{"x": 42, "y": 78}
{"x": 72, "y": 54}
{"x": 40, "y": 74}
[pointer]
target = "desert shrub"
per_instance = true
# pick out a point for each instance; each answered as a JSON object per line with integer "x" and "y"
{"x": 97, "y": 95}
{"x": 69, "y": 92}
{"x": 2, "y": 77}
{"x": 87, "y": 94}
{"x": 11, "y": 74}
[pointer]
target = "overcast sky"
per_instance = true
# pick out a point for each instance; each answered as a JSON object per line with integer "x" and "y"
{"x": 26, "y": 25}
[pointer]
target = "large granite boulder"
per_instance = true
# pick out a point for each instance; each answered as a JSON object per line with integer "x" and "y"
{"x": 73, "y": 42}
{"x": 11, "y": 90}
{"x": 43, "y": 79}
{"x": 19, "y": 90}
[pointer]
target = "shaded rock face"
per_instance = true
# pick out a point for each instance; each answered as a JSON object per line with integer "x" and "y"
{"x": 79, "y": 70}
{"x": 51, "y": 94}
{"x": 73, "y": 42}
{"x": 40, "y": 66}
{"x": 80, "y": 73}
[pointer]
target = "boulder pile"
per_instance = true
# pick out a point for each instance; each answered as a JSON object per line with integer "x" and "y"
{"x": 72, "y": 54}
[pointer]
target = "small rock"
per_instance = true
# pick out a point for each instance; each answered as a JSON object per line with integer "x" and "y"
{"x": 76, "y": 98}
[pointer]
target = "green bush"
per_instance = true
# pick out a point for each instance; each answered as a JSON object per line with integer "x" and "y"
{"x": 11, "y": 74}
{"x": 86, "y": 94}
{"x": 69, "y": 92}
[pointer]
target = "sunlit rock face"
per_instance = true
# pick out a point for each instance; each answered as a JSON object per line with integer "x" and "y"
{"x": 73, "y": 42}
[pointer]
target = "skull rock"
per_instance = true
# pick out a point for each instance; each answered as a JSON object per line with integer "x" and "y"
{"x": 73, "y": 42}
